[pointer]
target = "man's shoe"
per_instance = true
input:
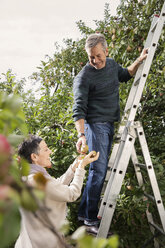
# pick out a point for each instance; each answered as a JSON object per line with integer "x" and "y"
{"x": 91, "y": 223}
{"x": 93, "y": 230}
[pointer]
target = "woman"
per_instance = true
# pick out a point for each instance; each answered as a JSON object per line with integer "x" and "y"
{"x": 38, "y": 228}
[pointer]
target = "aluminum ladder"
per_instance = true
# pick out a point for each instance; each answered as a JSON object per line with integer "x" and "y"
{"x": 124, "y": 149}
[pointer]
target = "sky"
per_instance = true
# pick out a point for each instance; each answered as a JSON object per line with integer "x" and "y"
{"x": 29, "y": 29}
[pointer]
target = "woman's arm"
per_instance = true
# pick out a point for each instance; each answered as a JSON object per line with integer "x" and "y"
{"x": 60, "y": 192}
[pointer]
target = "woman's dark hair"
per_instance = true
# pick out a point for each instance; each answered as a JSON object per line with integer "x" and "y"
{"x": 29, "y": 146}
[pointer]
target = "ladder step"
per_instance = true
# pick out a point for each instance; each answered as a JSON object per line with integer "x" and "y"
{"x": 142, "y": 166}
{"x": 151, "y": 197}
{"x": 137, "y": 81}
{"x": 157, "y": 227}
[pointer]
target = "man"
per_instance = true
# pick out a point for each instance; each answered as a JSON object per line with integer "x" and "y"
{"x": 96, "y": 108}
{"x": 38, "y": 229}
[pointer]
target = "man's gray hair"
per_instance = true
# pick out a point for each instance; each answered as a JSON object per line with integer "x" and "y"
{"x": 94, "y": 39}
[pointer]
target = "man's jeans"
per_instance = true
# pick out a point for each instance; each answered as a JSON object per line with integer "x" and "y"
{"x": 99, "y": 138}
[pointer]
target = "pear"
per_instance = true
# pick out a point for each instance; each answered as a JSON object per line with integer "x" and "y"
{"x": 113, "y": 31}
{"x": 94, "y": 154}
{"x": 113, "y": 37}
{"x": 129, "y": 48}
{"x": 84, "y": 149}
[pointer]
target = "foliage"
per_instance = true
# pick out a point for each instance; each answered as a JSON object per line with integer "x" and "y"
{"x": 87, "y": 241}
{"x": 12, "y": 126}
{"x": 14, "y": 192}
{"x": 50, "y": 115}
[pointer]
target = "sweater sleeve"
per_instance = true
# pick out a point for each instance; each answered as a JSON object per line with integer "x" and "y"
{"x": 80, "y": 91}
{"x": 67, "y": 177}
{"x": 123, "y": 74}
{"x": 64, "y": 193}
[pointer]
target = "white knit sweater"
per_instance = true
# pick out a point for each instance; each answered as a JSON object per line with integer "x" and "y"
{"x": 35, "y": 234}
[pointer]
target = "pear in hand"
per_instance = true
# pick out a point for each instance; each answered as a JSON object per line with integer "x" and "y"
{"x": 84, "y": 149}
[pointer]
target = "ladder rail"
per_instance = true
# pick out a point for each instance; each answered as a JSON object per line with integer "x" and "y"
{"x": 122, "y": 152}
{"x": 151, "y": 175}
{"x": 110, "y": 205}
{"x": 137, "y": 76}
{"x": 147, "y": 64}
{"x": 141, "y": 184}
{"x": 114, "y": 160}
{"x": 140, "y": 69}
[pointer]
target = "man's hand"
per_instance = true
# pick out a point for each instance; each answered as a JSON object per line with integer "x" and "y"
{"x": 80, "y": 143}
{"x": 143, "y": 55}
{"x": 91, "y": 157}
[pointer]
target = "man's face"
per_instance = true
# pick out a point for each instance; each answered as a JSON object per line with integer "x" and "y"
{"x": 43, "y": 156}
{"x": 97, "y": 56}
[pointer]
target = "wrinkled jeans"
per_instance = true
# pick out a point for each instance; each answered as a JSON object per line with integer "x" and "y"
{"x": 99, "y": 138}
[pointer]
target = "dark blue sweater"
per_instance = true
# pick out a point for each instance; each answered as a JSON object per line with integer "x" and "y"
{"x": 96, "y": 92}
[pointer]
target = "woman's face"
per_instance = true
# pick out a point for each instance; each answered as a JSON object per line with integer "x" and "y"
{"x": 43, "y": 156}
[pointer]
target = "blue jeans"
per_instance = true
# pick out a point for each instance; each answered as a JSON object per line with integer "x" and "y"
{"x": 99, "y": 138}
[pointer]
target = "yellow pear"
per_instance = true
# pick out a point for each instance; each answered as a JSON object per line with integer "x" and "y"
{"x": 113, "y": 37}
{"x": 94, "y": 154}
{"x": 129, "y": 48}
{"x": 84, "y": 149}
{"x": 113, "y": 31}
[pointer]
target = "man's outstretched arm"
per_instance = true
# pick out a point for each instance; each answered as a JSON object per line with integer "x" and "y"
{"x": 135, "y": 65}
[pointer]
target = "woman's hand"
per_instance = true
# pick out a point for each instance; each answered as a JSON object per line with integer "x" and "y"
{"x": 82, "y": 160}
{"x": 91, "y": 157}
